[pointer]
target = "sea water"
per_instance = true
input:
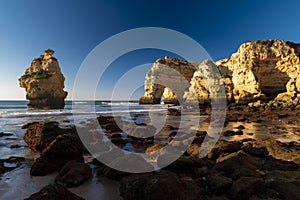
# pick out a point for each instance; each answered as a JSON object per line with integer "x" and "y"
{"x": 18, "y": 184}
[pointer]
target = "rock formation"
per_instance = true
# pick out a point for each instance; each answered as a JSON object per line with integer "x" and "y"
{"x": 207, "y": 83}
{"x": 264, "y": 70}
{"x": 44, "y": 83}
{"x": 168, "y": 72}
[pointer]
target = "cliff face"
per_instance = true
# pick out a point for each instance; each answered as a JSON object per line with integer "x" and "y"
{"x": 44, "y": 83}
{"x": 258, "y": 71}
{"x": 264, "y": 70}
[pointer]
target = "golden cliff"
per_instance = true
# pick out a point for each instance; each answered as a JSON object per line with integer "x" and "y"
{"x": 261, "y": 71}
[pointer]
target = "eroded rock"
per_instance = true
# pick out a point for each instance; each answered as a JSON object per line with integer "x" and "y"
{"x": 39, "y": 135}
{"x": 44, "y": 83}
{"x": 63, "y": 149}
{"x": 164, "y": 79}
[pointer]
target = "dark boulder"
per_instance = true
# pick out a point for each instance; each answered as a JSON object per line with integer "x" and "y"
{"x": 161, "y": 185}
{"x": 286, "y": 183}
{"x": 223, "y": 147}
{"x": 246, "y": 187}
{"x": 231, "y": 162}
{"x": 218, "y": 183}
{"x": 39, "y": 135}
{"x": 74, "y": 174}
{"x": 63, "y": 149}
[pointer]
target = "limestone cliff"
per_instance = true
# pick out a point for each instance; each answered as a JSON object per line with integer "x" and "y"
{"x": 267, "y": 71}
{"x": 168, "y": 72}
{"x": 44, "y": 83}
{"x": 264, "y": 70}
{"x": 208, "y": 82}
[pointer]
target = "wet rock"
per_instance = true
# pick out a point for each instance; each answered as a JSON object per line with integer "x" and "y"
{"x": 63, "y": 149}
{"x": 255, "y": 148}
{"x": 282, "y": 151}
{"x": 182, "y": 164}
{"x": 10, "y": 163}
{"x": 142, "y": 132}
{"x": 232, "y": 133}
{"x": 271, "y": 163}
{"x": 174, "y": 112}
{"x": 223, "y": 147}
{"x": 240, "y": 127}
{"x": 156, "y": 186}
{"x": 217, "y": 183}
{"x": 39, "y": 136}
{"x": 244, "y": 172}
{"x": 5, "y": 134}
{"x": 116, "y": 136}
{"x": 286, "y": 183}
{"x": 122, "y": 166}
{"x": 193, "y": 150}
{"x": 239, "y": 159}
{"x": 74, "y": 174}
{"x": 25, "y": 126}
{"x": 15, "y": 146}
{"x": 112, "y": 173}
{"x": 245, "y": 187}
{"x": 168, "y": 127}
{"x": 154, "y": 148}
{"x": 54, "y": 192}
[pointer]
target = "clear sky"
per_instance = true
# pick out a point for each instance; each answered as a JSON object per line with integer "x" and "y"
{"x": 73, "y": 28}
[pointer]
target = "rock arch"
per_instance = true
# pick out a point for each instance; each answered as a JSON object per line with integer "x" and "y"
{"x": 171, "y": 80}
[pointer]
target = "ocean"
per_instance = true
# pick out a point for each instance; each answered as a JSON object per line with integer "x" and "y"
{"x": 15, "y": 114}
{"x": 18, "y": 184}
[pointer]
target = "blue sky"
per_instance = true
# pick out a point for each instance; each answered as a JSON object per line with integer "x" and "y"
{"x": 73, "y": 28}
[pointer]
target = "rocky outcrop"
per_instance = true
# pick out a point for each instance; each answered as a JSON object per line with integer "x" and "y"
{"x": 53, "y": 158}
{"x": 261, "y": 71}
{"x": 157, "y": 185}
{"x": 264, "y": 70}
{"x": 208, "y": 83}
{"x": 163, "y": 78}
{"x": 44, "y": 83}
{"x": 39, "y": 135}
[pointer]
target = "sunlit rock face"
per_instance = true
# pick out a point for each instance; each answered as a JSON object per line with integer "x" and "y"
{"x": 168, "y": 77}
{"x": 178, "y": 80}
{"x": 208, "y": 83}
{"x": 44, "y": 83}
{"x": 264, "y": 70}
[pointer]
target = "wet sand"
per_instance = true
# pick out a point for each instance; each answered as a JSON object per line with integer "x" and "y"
{"x": 18, "y": 184}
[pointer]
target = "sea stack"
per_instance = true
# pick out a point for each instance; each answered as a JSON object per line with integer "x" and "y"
{"x": 44, "y": 83}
